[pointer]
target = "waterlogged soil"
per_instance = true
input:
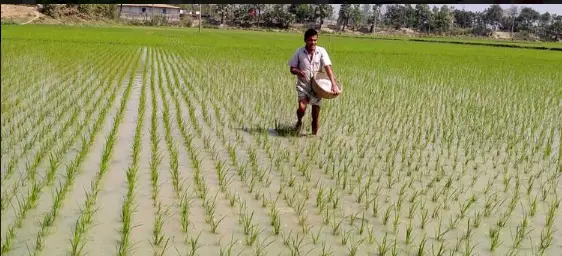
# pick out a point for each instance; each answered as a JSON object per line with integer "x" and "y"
{"x": 265, "y": 192}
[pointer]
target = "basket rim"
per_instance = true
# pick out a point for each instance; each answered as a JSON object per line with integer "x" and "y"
{"x": 319, "y": 91}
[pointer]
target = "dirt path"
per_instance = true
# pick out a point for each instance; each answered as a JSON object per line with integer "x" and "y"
{"x": 19, "y": 13}
{"x": 34, "y": 18}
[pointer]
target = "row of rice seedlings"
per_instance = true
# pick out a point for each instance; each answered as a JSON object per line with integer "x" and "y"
{"x": 19, "y": 60}
{"x": 251, "y": 229}
{"x": 255, "y": 174}
{"x": 21, "y": 131}
{"x": 411, "y": 211}
{"x": 41, "y": 154}
{"x": 74, "y": 168}
{"x": 344, "y": 183}
{"x": 158, "y": 237}
{"x": 40, "y": 127}
{"x": 172, "y": 148}
{"x": 129, "y": 207}
{"x": 180, "y": 193}
{"x": 438, "y": 176}
{"x": 30, "y": 202}
{"x": 45, "y": 148}
{"x": 31, "y": 100}
{"x": 292, "y": 200}
{"x": 290, "y": 190}
{"x": 34, "y": 114}
{"x": 463, "y": 209}
{"x": 47, "y": 139}
{"x": 87, "y": 213}
{"x": 59, "y": 107}
{"x": 209, "y": 204}
{"x": 200, "y": 187}
{"x": 25, "y": 96}
{"x": 186, "y": 142}
{"x": 31, "y": 117}
{"x": 12, "y": 98}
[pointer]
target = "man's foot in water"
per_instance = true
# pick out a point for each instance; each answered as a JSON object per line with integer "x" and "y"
{"x": 298, "y": 126}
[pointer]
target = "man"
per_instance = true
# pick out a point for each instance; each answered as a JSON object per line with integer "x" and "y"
{"x": 304, "y": 63}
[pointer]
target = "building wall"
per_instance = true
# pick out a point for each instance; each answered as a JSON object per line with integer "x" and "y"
{"x": 136, "y": 12}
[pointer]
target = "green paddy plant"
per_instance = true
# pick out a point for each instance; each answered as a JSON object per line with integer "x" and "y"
{"x": 228, "y": 250}
{"x": 260, "y": 247}
{"x": 86, "y": 216}
{"x": 32, "y": 197}
{"x": 253, "y": 234}
{"x": 383, "y": 246}
{"x": 494, "y": 235}
{"x": 194, "y": 245}
{"x": 185, "y": 209}
{"x": 44, "y": 128}
{"x": 31, "y": 169}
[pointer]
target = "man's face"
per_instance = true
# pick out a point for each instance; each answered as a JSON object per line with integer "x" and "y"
{"x": 311, "y": 42}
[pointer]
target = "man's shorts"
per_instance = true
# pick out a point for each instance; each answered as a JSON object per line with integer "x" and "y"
{"x": 309, "y": 94}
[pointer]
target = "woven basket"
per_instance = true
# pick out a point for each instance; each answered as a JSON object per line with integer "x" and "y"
{"x": 321, "y": 92}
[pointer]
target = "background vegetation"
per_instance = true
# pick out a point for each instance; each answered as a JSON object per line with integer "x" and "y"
{"x": 521, "y": 23}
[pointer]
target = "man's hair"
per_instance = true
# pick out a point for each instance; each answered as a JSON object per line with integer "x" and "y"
{"x": 310, "y": 32}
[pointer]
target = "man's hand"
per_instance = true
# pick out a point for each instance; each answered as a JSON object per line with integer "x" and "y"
{"x": 298, "y": 72}
{"x": 335, "y": 88}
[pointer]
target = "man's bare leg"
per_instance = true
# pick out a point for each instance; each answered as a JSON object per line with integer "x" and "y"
{"x": 301, "y": 110}
{"x": 315, "y": 114}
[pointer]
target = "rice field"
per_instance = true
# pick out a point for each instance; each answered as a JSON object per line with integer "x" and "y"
{"x": 173, "y": 142}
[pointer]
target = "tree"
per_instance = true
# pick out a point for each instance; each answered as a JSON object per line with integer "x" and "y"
{"x": 344, "y": 15}
{"x": 494, "y": 15}
{"x": 444, "y": 19}
{"x": 512, "y": 13}
{"x": 527, "y": 17}
{"x": 375, "y": 17}
{"x": 545, "y": 21}
{"x": 366, "y": 12}
{"x": 410, "y": 19}
{"x": 556, "y": 27}
{"x": 259, "y": 8}
{"x": 223, "y": 10}
{"x": 433, "y": 18}
{"x": 395, "y": 16}
{"x": 356, "y": 15}
{"x": 423, "y": 17}
{"x": 292, "y": 9}
{"x": 323, "y": 11}
{"x": 279, "y": 16}
{"x": 464, "y": 19}
{"x": 302, "y": 12}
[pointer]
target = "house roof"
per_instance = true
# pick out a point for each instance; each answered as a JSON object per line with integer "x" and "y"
{"x": 154, "y": 5}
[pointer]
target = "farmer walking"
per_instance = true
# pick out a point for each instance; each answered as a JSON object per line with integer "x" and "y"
{"x": 304, "y": 63}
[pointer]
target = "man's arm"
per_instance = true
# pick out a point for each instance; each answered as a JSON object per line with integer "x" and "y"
{"x": 294, "y": 65}
{"x": 329, "y": 71}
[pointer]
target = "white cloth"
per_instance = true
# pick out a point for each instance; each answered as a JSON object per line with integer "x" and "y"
{"x": 309, "y": 66}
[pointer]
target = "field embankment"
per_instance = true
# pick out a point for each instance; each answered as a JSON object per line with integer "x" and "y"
{"x": 164, "y": 142}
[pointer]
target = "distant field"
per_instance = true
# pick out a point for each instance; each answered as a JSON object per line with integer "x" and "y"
{"x": 480, "y": 41}
{"x": 167, "y": 141}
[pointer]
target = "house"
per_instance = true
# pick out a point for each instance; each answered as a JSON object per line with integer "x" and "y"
{"x": 147, "y": 11}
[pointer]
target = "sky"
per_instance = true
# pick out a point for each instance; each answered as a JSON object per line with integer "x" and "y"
{"x": 541, "y": 8}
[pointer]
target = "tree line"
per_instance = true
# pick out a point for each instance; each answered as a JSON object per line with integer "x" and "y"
{"x": 445, "y": 20}
{"x": 525, "y": 22}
